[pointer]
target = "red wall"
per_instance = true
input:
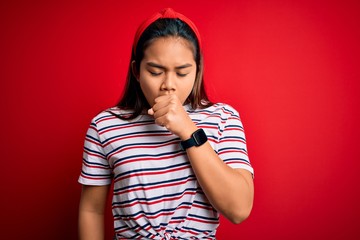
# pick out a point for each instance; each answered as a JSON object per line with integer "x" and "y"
{"x": 291, "y": 68}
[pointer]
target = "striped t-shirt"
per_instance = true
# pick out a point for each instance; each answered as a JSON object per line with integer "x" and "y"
{"x": 156, "y": 194}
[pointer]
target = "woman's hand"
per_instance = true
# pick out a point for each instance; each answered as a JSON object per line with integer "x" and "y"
{"x": 169, "y": 112}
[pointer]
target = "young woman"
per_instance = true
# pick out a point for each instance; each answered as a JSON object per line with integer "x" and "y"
{"x": 175, "y": 159}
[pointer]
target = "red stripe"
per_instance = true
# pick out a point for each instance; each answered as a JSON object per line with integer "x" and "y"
{"x": 95, "y": 166}
{"x": 105, "y": 119}
{"x": 94, "y": 154}
{"x": 156, "y": 201}
{"x": 234, "y": 129}
{"x": 232, "y": 151}
{"x": 175, "y": 221}
{"x": 208, "y": 127}
{"x": 155, "y": 187}
{"x": 123, "y": 127}
{"x": 203, "y": 207}
{"x": 141, "y": 147}
{"x": 212, "y": 140}
{"x": 95, "y": 178}
{"x": 152, "y": 173}
{"x": 160, "y": 214}
{"x": 93, "y": 128}
{"x": 238, "y": 162}
{"x": 202, "y": 221}
{"x": 233, "y": 140}
{"x": 135, "y": 136}
{"x": 189, "y": 231}
{"x": 160, "y": 158}
{"x": 92, "y": 141}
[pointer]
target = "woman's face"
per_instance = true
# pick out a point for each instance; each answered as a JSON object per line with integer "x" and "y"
{"x": 168, "y": 67}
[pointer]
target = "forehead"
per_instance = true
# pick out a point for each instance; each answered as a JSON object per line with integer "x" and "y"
{"x": 170, "y": 48}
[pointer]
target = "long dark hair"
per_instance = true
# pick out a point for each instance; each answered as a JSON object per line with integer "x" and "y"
{"x": 133, "y": 97}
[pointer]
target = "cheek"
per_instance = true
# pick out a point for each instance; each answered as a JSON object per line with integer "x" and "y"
{"x": 145, "y": 87}
{"x": 186, "y": 88}
{"x": 191, "y": 82}
{"x": 149, "y": 90}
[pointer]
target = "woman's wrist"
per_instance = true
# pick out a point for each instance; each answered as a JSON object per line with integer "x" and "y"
{"x": 186, "y": 133}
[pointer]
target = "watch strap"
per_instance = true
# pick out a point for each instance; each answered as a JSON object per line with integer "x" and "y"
{"x": 198, "y": 138}
{"x": 188, "y": 143}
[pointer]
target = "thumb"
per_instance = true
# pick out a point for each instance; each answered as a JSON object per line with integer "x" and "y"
{"x": 151, "y": 111}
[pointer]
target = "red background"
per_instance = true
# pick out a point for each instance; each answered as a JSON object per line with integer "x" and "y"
{"x": 291, "y": 68}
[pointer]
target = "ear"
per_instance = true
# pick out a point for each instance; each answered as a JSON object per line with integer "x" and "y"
{"x": 134, "y": 70}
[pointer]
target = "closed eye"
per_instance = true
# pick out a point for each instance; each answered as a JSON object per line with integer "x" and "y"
{"x": 182, "y": 74}
{"x": 155, "y": 73}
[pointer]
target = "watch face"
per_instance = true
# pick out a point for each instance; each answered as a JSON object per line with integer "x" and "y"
{"x": 200, "y": 137}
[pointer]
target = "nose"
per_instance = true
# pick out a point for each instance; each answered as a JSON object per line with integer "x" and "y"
{"x": 168, "y": 83}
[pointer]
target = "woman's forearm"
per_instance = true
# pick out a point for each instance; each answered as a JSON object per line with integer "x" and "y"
{"x": 92, "y": 212}
{"x": 229, "y": 190}
{"x": 91, "y": 226}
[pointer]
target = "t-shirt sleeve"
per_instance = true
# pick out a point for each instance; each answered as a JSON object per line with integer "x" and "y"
{"x": 232, "y": 142}
{"x": 95, "y": 166}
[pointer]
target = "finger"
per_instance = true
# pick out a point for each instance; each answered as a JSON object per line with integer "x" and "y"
{"x": 162, "y": 112}
{"x": 169, "y": 98}
{"x": 161, "y": 98}
{"x": 161, "y": 102}
{"x": 151, "y": 111}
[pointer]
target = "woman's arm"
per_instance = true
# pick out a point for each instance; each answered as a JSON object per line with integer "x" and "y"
{"x": 92, "y": 211}
{"x": 230, "y": 191}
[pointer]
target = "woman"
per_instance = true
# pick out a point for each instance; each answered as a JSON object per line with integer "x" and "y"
{"x": 175, "y": 159}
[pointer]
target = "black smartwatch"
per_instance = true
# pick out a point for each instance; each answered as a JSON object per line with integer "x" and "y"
{"x": 198, "y": 138}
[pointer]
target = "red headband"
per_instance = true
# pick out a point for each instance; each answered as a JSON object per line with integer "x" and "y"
{"x": 165, "y": 13}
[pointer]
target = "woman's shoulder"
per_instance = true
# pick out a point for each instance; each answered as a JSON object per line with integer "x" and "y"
{"x": 222, "y": 108}
{"x": 111, "y": 113}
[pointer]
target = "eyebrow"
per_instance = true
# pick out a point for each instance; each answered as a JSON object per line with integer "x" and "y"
{"x": 152, "y": 64}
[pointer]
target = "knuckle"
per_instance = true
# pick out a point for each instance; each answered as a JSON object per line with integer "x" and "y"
{"x": 172, "y": 109}
{"x": 167, "y": 118}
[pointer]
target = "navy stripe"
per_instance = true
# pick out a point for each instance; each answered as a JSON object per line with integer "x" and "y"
{"x": 93, "y": 139}
{"x": 95, "y": 152}
{"x": 237, "y": 159}
{"x": 190, "y": 177}
{"x": 233, "y": 137}
{"x": 142, "y": 144}
{"x": 233, "y": 126}
{"x": 191, "y": 190}
{"x": 127, "y": 124}
{"x": 136, "y": 133}
{"x": 165, "y": 210}
{"x": 197, "y": 230}
{"x": 231, "y": 148}
{"x": 148, "y": 156}
{"x": 203, "y": 203}
{"x": 152, "y": 169}
{"x": 202, "y": 217}
{"x": 95, "y": 175}
{"x": 102, "y": 117}
{"x": 95, "y": 163}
